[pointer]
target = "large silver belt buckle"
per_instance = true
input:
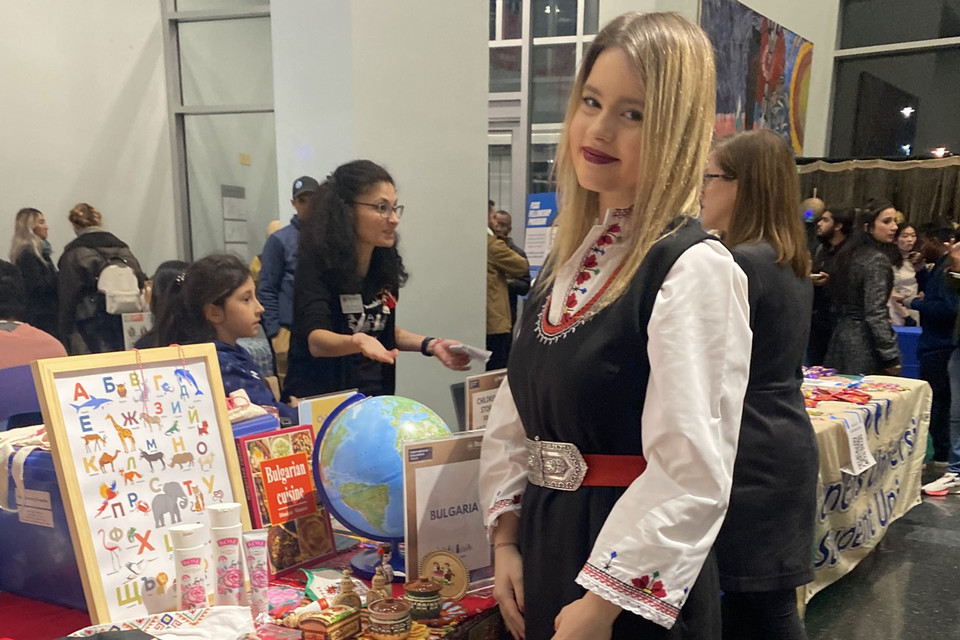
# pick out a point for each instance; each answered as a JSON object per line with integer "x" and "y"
{"x": 555, "y": 465}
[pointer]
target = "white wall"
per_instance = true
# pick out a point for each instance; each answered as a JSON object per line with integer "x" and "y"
{"x": 373, "y": 79}
{"x": 85, "y": 119}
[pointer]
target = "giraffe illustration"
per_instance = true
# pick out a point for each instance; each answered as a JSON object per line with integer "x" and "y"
{"x": 125, "y": 434}
{"x": 95, "y": 439}
{"x": 107, "y": 459}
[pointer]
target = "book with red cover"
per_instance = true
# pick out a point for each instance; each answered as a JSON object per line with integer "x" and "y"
{"x": 278, "y": 476}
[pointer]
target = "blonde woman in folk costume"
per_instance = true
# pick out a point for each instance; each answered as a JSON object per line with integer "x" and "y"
{"x": 631, "y": 362}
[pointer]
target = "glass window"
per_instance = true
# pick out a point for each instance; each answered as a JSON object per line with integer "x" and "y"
{"x": 901, "y": 104}
{"x": 541, "y": 167}
{"x": 504, "y": 69}
{"x": 554, "y": 18}
{"x": 551, "y": 77}
{"x": 873, "y": 22}
{"x": 214, "y": 145}
{"x": 493, "y": 19}
{"x": 500, "y": 174}
{"x": 226, "y": 62}
{"x": 512, "y": 19}
{"x": 591, "y": 16}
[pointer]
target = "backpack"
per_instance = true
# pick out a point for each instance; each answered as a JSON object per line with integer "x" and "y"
{"x": 120, "y": 288}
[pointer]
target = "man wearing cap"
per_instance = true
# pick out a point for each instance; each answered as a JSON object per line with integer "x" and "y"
{"x": 279, "y": 263}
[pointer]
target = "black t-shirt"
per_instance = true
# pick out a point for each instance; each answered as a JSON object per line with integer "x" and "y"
{"x": 317, "y": 305}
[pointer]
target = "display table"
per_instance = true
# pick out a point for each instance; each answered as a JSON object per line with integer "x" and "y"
{"x": 854, "y": 511}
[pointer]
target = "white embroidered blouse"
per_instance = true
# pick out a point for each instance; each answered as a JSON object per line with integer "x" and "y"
{"x": 662, "y": 528}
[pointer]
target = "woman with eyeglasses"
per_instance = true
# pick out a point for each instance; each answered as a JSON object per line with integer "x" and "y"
{"x": 751, "y": 195}
{"x": 346, "y": 287}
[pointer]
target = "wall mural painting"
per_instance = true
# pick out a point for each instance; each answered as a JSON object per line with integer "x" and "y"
{"x": 763, "y": 72}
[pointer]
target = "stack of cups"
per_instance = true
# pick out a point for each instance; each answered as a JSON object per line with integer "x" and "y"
{"x": 188, "y": 558}
{"x": 225, "y": 532}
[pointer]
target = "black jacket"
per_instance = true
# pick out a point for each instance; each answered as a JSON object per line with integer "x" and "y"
{"x": 40, "y": 278}
{"x": 80, "y": 302}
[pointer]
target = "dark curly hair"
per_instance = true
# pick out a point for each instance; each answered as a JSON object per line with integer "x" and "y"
{"x": 328, "y": 234}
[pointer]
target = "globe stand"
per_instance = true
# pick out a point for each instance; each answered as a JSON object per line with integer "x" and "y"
{"x": 364, "y": 563}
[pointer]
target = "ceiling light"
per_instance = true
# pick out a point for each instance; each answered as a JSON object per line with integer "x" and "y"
{"x": 940, "y": 151}
{"x": 907, "y": 111}
{"x": 906, "y": 148}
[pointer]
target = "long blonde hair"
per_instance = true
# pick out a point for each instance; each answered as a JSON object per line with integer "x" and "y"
{"x": 766, "y": 208}
{"x": 24, "y": 238}
{"x": 675, "y": 61}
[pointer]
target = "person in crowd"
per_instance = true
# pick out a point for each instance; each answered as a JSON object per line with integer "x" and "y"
{"x": 31, "y": 252}
{"x": 937, "y": 308}
{"x": 949, "y": 483}
{"x": 906, "y": 262}
{"x": 863, "y": 341}
{"x": 503, "y": 264}
{"x": 634, "y": 358}
{"x": 256, "y": 265}
{"x": 834, "y": 227}
{"x": 169, "y": 276}
{"x": 750, "y": 195}
{"x": 20, "y": 343}
{"x": 278, "y": 266}
{"x": 516, "y": 287}
{"x": 216, "y": 302}
{"x": 85, "y": 325}
{"x": 346, "y": 289}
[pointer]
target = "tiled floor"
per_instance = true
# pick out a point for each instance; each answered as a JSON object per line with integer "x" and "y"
{"x": 909, "y": 587}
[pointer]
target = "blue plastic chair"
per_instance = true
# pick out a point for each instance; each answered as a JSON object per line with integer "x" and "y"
{"x": 18, "y": 396}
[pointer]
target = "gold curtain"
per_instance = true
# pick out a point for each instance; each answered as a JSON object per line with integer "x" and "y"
{"x": 923, "y": 190}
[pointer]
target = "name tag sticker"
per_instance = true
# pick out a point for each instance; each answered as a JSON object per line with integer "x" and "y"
{"x": 351, "y": 303}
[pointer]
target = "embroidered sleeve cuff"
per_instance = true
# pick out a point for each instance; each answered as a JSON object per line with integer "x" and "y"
{"x": 499, "y": 508}
{"x": 643, "y": 595}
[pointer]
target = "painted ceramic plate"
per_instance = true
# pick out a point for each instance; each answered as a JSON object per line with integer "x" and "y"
{"x": 446, "y": 569}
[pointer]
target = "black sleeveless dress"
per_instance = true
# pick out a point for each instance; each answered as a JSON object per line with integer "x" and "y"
{"x": 585, "y": 383}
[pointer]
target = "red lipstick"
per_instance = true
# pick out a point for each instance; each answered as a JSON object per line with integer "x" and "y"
{"x": 595, "y": 156}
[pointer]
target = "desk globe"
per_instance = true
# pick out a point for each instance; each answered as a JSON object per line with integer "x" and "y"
{"x": 358, "y": 468}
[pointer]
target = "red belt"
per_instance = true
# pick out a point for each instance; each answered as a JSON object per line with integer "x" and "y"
{"x": 612, "y": 471}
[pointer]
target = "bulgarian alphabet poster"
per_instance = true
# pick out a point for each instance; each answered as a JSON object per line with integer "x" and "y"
{"x": 139, "y": 447}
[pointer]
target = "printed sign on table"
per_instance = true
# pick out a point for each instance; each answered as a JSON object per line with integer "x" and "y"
{"x": 481, "y": 389}
{"x": 141, "y": 441}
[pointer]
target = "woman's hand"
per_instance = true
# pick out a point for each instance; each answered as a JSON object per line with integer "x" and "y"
{"x": 374, "y": 349}
{"x": 894, "y": 370}
{"x": 451, "y": 360}
{"x": 508, "y": 588}
{"x": 589, "y": 618}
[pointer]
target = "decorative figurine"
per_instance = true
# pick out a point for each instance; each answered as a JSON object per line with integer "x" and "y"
{"x": 389, "y": 619}
{"x": 348, "y": 594}
{"x": 385, "y": 552}
{"x": 380, "y": 588}
{"x": 338, "y": 622}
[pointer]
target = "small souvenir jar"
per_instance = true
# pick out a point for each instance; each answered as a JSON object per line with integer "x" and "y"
{"x": 389, "y": 619}
{"x": 423, "y": 596}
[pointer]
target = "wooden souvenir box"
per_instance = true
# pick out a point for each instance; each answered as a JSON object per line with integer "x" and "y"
{"x": 338, "y": 622}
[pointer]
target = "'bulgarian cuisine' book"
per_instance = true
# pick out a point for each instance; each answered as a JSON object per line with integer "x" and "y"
{"x": 278, "y": 477}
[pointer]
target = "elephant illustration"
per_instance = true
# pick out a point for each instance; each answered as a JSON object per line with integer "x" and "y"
{"x": 167, "y": 502}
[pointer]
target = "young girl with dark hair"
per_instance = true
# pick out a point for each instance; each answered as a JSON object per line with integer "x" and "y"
{"x": 215, "y": 302}
{"x": 348, "y": 279}
{"x": 863, "y": 341}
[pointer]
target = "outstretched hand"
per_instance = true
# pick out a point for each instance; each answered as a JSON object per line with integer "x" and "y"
{"x": 451, "y": 360}
{"x": 374, "y": 349}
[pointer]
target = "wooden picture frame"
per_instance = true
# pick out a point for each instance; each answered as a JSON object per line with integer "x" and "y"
{"x": 112, "y": 419}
